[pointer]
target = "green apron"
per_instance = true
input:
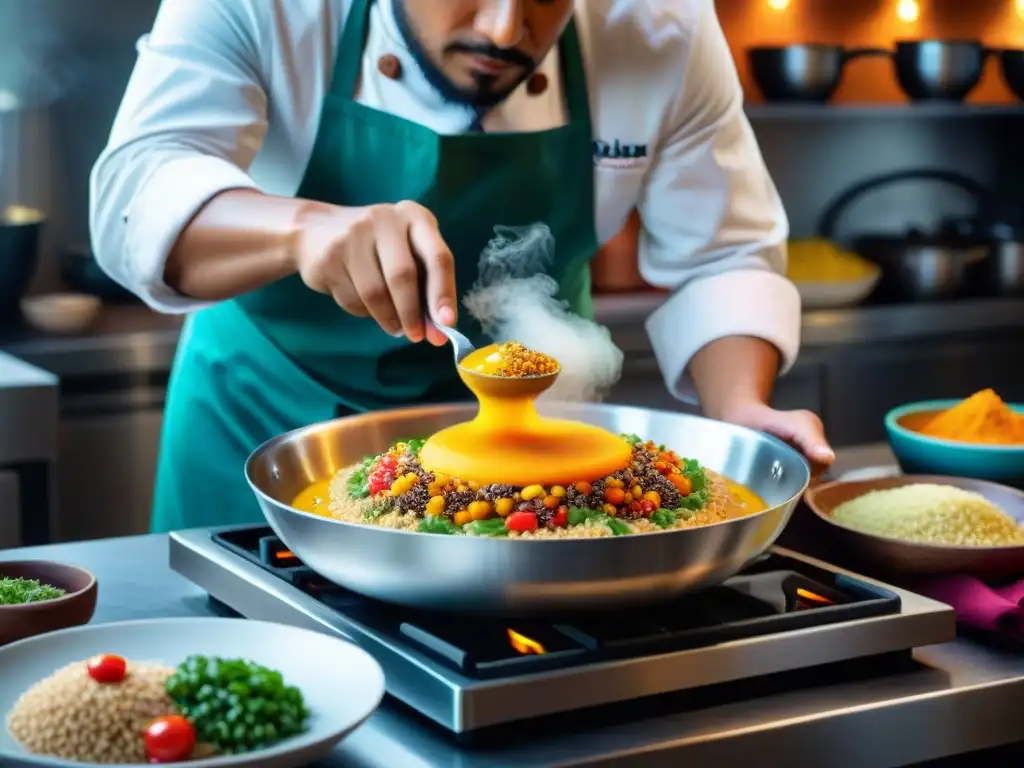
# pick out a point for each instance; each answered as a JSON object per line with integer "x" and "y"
{"x": 284, "y": 356}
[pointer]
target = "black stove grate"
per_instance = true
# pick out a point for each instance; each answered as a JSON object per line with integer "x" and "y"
{"x": 775, "y": 595}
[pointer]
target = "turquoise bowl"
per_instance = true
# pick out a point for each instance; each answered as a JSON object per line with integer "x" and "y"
{"x": 919, "y": 454}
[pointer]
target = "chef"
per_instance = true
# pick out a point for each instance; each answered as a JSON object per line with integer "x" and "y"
{"x": 284, "y": 170}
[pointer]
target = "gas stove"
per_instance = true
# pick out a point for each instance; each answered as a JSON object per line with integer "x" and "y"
{"x": 785, "y": 614}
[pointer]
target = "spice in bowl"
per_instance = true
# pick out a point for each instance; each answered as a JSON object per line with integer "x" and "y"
{"x": 982, "y": 418}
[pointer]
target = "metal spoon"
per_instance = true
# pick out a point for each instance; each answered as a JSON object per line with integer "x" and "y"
{"x": 484, "y": 383}
{"x": 461, "y": 346}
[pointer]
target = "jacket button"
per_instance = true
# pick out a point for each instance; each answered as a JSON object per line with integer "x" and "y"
{"x": 390, "y": 66}
{"x": 537, "y": 84}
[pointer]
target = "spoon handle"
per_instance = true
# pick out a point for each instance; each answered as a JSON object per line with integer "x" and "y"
{"x": 424, "y": 301}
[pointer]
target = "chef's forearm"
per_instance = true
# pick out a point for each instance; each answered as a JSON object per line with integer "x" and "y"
{"x": 734, "y": 371}
{"x": 239, "y": 241}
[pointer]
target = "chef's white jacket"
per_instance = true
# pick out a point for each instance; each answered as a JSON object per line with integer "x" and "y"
{"x": 227, "y": 93}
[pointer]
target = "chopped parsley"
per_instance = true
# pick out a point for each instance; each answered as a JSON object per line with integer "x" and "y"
{"x": 21, "y": 591}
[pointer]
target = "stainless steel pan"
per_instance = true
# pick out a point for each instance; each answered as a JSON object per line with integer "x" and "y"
{"x": 501, "y": 576}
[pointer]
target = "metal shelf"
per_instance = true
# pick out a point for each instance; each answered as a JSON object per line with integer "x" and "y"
{"x": 897, "y": 111}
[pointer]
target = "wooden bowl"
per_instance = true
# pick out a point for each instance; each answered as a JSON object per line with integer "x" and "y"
{"x": 76, "y": 607}
{"x": 898, "y": 557}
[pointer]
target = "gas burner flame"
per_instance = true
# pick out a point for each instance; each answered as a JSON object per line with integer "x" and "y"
{"x": 524, "y": 645}
{"x": 812, "y": 597}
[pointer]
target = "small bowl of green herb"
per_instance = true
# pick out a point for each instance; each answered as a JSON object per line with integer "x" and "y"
{"x": 38, "y": 596}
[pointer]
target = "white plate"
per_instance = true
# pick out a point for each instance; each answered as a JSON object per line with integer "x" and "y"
{"x": 847, "y": 293}
{"x": 342, "y": 684}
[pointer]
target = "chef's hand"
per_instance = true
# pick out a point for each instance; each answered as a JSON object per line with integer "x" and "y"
{"x": 370, "y": 259}
{"x": 801, "y": 429}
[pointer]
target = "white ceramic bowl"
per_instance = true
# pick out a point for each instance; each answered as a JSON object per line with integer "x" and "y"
{"x": 833, "y": 295}
{"x": 61, "y": 312}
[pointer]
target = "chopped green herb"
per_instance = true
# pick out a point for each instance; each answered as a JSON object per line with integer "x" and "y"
{"x": 696, "y": 500}
{"x": 21, "y": 591}
{"x": 491, "y": 528}
{"x": 633, "y": 439}
{"x": 415, "y": 445}
{"x": 237, "y": 706}
{"x": 374, "y": 511}
{"x": 617, "y": 527}
{"x": 685, "y": 513}
{"x": 358, "y": 485}
{"x": 437, "y": 524}
{"x": 578, "y": 515}
{"x": 696, "y": 474}
{"x": 664, "y": 518}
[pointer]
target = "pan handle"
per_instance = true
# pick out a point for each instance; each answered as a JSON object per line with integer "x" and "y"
{"x": 838, "y": 205}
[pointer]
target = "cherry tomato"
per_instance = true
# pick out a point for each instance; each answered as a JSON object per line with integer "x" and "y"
{"x": 682, "y": 484}
{"x": 380, "y": 479}
{"x": 614, "y": 495}
{"x": 561, "y": 517}
{"x": 521, "y": 521}
{"x": 169, "y": 739}
{"x": 107, "y": 668}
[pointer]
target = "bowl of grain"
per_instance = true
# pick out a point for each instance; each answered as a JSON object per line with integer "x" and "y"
{"x": 979, "y": 437}
{"x": 38, "y": 596}
{"x": 926, "y": 524}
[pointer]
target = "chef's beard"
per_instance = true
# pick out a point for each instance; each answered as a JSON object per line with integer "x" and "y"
{"x": 483, "y": 95}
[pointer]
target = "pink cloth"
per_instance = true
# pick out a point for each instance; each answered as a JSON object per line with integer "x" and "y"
{"x": 978, "y": 605}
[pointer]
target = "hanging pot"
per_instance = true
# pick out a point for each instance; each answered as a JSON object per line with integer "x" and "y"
{"x": 1011, "y": 62}
{"x": 804, "y": 73}
{"x": 939, "y": 70}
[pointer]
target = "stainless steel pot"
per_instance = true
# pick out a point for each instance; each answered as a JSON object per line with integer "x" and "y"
{"x": 919, "y": 267}
{"x": 1012, "y": 61}
{"x": 508, "y": 577}
{"x": 939, "y": 70}
{"x": 915, "y": 265}
{"x": 807, "y": 73}
{"x": 1003, "y": 272}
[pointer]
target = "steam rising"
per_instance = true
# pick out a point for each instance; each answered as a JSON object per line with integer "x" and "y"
{"x": 515, "y": 300}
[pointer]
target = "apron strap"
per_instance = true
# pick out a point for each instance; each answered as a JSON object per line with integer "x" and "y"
{"x": 349, "y": 59}
{"x": 574, "y": 74}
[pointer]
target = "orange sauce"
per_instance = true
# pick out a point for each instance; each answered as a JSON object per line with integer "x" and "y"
{"x": 510, "y": 442}
{"x": 743, "y": 501}
{"x": 315, "y": 499}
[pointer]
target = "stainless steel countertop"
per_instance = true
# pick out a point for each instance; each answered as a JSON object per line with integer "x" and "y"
{"x": 132, "y": 339}
{"x": 961, "y": 697}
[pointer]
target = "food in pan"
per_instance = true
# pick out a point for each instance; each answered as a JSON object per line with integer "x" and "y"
{"x": 982, "y": 418}
{"x": 931, "y": 514}
{"x": 658, "y": 490}
{"x": 512, "y": 472}
{"x": 109, "y": 710}
{"x": 20, "y": 591}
